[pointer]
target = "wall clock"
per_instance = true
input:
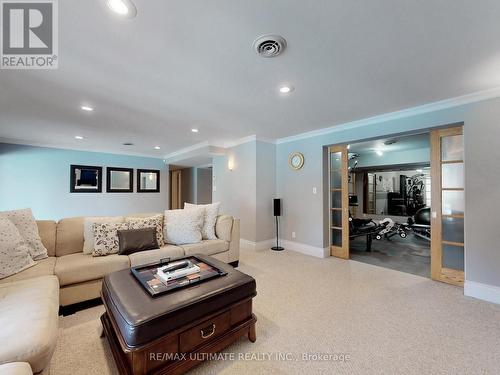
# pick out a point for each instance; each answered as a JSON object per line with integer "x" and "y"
{"x": 296, "y": 160}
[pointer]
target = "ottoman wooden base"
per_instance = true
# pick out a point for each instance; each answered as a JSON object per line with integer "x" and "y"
{"x": 179, "y": 350}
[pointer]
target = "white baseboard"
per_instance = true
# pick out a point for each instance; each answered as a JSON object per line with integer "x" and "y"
{"x": 318, "y": 252}
{"x": 261, "y": 245}
{"x": 490, "y": 293}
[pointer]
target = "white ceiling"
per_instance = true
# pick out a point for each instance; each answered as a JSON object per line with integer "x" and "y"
{"x": 404, "y": 143}
{"x": 182, "y": 64}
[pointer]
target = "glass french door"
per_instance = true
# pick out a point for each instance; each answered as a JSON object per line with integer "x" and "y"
{"x": 339, "y": 201}
{"x": 448, "y": 206}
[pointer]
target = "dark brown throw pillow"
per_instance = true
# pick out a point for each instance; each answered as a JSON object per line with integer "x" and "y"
{"x": 135, "y": 240}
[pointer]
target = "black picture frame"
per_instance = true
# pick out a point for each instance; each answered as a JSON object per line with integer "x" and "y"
{"x": 156, "y": 189}
{"x": 130, "y": 188}
{"x": 93, "y": 173}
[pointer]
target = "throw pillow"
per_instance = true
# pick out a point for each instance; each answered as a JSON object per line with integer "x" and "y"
{"x": 155, "y": 221}
{"x": 26, "y": 225}
{"x": 211, "y": 211}
{"x": 14, "y": 251}
{"x": 135, "y": 240}
{"x": 106, "y": 238}
{"x": 88, "y": 231}
{"x": 183, "y": 226}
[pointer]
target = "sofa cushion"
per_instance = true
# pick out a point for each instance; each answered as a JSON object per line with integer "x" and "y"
{"x": 135, "y": 240}
{"x": 47, "y": 231}
{"x": 153, "y": 256}
{"x": 77, "y": 268}
{"x": 44, "y": 267}
{"x": 223, "y": 227}
{"x": 29, "y": 321}
{"x": 15, "y": 253}
{"x": 69, "y": 237}
{"x": 26, "y": 224}
{"x": 16, "y": 368}
{"x": 88, "y": 229}
{"x": 206, "y": 247}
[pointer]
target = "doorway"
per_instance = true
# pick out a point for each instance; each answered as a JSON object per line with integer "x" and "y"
{"x": 399, "y": 203}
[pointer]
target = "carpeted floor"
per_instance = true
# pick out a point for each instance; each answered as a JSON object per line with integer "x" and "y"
{"x": 387, "y": 322}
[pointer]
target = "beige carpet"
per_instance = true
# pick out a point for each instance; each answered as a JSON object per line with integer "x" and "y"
{"x": 387, "y": 322}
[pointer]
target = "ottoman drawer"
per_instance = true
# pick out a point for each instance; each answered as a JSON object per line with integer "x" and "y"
{"x": 204, "y": 332}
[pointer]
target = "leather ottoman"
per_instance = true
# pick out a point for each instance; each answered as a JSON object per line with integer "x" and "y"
{"x": 171, "y": 333}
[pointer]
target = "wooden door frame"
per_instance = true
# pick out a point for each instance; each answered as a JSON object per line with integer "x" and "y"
{"x": 343, "y": 251}
{"x": 175, "y": 190}
{"x": 439, "y": 273}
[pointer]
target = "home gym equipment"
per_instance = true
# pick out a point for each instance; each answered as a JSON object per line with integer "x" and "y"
{"x": 420, "y": 223}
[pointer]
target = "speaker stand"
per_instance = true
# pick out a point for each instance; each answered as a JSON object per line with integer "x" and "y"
{"x": 277, "y": 247}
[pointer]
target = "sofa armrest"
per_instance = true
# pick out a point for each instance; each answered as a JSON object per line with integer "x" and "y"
{"x": 234, "y": 244}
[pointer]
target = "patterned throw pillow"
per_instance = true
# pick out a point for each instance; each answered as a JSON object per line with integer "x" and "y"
{"x": 88, "y": 230}
{"x": 14, "y": 252}
{"x": 26, "y": 225}
{"x": 106, "y": 238}
{"x": 211, "y": 211}
{"x": 183, "y": 226}
{"x": 155, "y": 221}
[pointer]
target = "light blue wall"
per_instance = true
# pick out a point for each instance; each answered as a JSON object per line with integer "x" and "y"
{"x": 39, "y": 178}
{"x": 306, "y": 213}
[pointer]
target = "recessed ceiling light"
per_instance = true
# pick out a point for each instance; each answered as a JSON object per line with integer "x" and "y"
{"x": 86, "y": 108}
{"x": 78, "y": 137}
{"x": 124, "y": 8}
{"x": 157, "y": 147}
{"x": 379, "y": 152}
{"x": 286, "y": 89}
{"x": 194, "y": 130}
{"x": 420, "y": 170}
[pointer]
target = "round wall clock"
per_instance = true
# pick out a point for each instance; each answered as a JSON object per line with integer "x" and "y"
{"x": 296, "y": 160}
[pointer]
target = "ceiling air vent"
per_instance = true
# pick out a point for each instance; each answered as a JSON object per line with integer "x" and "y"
{"x": 269, "y": 45}
{"x": 390, "y": 142}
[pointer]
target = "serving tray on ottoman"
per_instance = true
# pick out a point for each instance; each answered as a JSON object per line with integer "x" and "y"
{"x": 173, "y": 332}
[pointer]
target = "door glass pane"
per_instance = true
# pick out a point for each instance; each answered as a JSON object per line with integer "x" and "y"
{"x": 452, "y": 148}
{"x": 453, "y": 202}
{"x": 453, "y": 257}
{"x": 335, "y": 161}
{"x": 453, "y": 229}
{"x": 336, "y": 182}
{"x": 336, "y": 199}
{"x": 336, "y": 237}
{"x": 337, "y": 218}
{"x": 453, "y": 175}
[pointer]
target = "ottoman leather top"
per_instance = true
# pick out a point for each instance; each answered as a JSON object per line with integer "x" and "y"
{"x": 142, "y": 318}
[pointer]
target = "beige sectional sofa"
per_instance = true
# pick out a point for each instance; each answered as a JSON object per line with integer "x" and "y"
{"x": 29, "y": 300}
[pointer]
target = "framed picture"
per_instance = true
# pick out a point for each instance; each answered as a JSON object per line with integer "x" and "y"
{"x": 119, "y": 180}
{"x": 148, "y": 181}
{"x": 85, "y": 179}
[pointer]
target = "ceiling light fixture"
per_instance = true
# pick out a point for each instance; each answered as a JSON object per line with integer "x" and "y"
{"x": 124, "y": 8}
{"x": 194, "y": 130}
{"x": 286, "y": 89}
{"x": 420, "y": 170}
{"x": 157, "y": 147}
{"x": 86, "y": 108}
{"x": 379, "y": 152}
{"x": 78, "y": 137}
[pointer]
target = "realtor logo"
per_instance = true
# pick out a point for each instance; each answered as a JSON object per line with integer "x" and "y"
{"x": 29, "y": 34}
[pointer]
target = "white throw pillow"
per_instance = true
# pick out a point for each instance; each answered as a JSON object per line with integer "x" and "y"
{"x": 106, "y": 238}
{"x": 14, "y": 251}
{"x": 26, "y": 225}
{"x": 211, "y": 211}
{"x": 155, "y": 221}
{"x": 88, "y": 232}
{"x": 183, "y": 226}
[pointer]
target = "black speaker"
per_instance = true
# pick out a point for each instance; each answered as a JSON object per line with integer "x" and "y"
{"x": 277, "y": 207}
{"x": 277, "y": 213}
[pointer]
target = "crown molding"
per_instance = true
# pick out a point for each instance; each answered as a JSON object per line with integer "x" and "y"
{"x": 185, "y": 150}
{"x": 408, "y": 112}
{"x": 61, "y": 146}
